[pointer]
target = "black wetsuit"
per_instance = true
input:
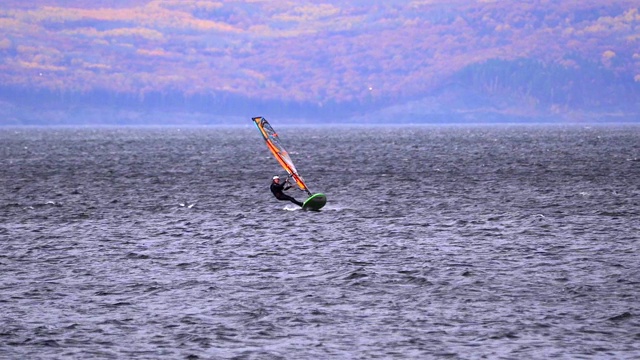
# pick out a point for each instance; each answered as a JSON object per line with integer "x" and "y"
{"x": 278, "y": 192}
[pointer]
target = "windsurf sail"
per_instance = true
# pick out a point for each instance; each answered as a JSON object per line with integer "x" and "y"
{"x": 275, "y": 146}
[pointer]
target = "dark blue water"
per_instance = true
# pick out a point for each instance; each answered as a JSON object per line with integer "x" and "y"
{"x": 436, "y": 242}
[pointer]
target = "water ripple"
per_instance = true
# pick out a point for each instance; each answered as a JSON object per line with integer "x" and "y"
{"x": 437, "y": 242}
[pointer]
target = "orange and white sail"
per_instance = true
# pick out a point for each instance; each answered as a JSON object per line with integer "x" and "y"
{"x": 279, "y": 152}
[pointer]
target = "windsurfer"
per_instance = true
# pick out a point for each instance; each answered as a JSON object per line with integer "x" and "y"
{"x": 278, "y": 190}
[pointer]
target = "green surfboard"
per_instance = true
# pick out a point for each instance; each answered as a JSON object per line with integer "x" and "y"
{"x": 315, "y": 202}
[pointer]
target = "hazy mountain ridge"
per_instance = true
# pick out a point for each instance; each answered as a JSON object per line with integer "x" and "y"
{"x": 336, "y": 61}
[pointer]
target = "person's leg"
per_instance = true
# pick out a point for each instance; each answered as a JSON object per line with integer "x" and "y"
{"x": 287, "y": 197}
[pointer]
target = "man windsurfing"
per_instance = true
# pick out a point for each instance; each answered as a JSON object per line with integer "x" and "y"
{"x": 278, "y": 190}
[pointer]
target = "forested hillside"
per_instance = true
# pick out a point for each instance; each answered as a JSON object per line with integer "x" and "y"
{"x": 372, "y": 61}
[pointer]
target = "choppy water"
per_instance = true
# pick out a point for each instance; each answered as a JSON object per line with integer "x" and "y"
{"x": 459, "y": 242}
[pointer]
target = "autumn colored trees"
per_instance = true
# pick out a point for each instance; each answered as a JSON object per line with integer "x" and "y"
{"x": 320, "y": 55}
